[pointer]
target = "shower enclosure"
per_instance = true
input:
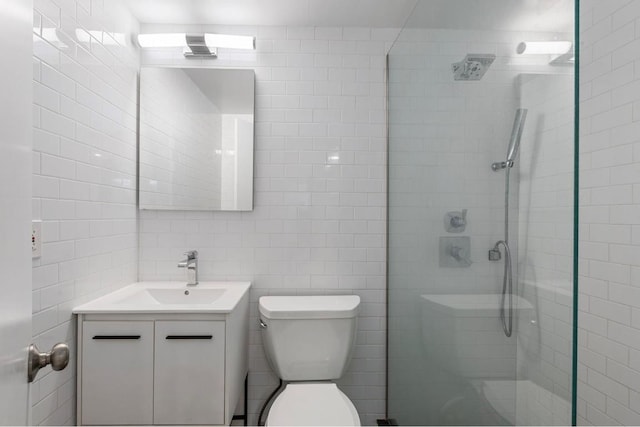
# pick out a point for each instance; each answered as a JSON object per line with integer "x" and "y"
{"x": 481, "y": 240}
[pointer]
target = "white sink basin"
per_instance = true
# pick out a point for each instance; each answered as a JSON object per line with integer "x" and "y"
{"x": 185, "y": 296}
{"x": 153, "y": 297}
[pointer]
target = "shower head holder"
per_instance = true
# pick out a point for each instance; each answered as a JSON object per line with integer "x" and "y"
{"x": 498, "y": 166}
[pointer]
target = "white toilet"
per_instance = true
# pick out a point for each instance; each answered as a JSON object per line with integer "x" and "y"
{"x": 308, "y": 341}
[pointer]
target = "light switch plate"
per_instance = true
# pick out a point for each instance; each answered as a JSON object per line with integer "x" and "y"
{"x": 36, "y": 239}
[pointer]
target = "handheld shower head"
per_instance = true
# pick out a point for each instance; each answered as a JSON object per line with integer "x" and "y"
{"x": 514, "y": 142}
{"x": 516, "y": 134}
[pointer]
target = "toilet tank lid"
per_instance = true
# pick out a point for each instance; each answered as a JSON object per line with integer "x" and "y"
{"x": 309, "y": 307}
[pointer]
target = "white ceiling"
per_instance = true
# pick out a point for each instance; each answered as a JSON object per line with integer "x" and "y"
{"x": 514, "y": 15}
{"x": 304, "y": 13}
{"x": 503, "y": 15}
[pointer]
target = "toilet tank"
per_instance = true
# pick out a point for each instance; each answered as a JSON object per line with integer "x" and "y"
{"x": 309, "y": 338}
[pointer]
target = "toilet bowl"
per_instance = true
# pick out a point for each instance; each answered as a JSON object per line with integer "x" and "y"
{"x": 320, "y": 404}
{"x": 308, "y": 341}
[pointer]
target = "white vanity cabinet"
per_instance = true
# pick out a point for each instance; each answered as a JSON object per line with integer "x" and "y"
{"x": 161, "y": 368}
{"x": 117, "y": 360}
{"x": 189, "y": 367}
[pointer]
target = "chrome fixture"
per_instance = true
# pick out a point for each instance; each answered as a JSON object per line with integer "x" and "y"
{"x": 191, "y": 264}
{"x": 494, "y": 254}
{"x": 516, "y": 134}
{"x": 58, "y": 358}
{"x": 198, "y": 47}
{"x": 460, "y": 254}
{"x": 568, "y": 59}
{"x": 455, "y": 222}
{"x": 472, "y": 67}
{"x": 514, "y": 142}
{"x": 455, "y": 252}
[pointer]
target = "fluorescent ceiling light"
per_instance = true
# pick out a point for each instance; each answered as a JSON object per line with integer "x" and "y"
{"x": 211, "y": 40}
{"x": 544, "y": 48}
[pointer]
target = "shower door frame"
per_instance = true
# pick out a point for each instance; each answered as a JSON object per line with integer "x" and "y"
{"x": 576, "y": 210}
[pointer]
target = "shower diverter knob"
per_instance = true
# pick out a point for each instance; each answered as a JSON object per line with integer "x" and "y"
{"x": 455, "y": 222}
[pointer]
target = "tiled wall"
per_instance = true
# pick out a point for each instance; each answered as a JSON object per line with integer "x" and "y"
{"x": 318, "y": 224}
{"x": 545, "y": 251}
{"x": 84, "y": 170}
{"x": 609, "y": 336}
{"x": 178, "y": 127}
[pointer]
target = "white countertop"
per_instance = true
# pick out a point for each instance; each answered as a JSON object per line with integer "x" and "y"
{"x": 139, "y": 298}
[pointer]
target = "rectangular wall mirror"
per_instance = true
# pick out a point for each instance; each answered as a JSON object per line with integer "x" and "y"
{"x": 196, "y": 139}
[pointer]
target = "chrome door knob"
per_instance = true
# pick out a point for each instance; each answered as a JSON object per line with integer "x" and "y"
{"x": 58, "y": 358}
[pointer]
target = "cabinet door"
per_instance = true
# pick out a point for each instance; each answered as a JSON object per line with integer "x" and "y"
{"x": 189, "y": 372}
{"x": 117, "y": 373}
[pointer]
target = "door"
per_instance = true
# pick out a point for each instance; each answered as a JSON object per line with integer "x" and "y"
{"x": 16, "y": 28}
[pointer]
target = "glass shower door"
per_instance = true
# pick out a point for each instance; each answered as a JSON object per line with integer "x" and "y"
{"x": 465, "y": 348}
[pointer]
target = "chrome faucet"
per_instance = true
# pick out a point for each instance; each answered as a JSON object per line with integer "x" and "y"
{"x": 191, "y": 264}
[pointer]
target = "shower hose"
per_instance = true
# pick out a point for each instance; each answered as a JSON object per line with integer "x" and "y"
{"x": 507, "y": 277}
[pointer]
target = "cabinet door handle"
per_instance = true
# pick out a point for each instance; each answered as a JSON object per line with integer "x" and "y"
{"x": 189, "y": 337}
{"x": 116, "y": 337}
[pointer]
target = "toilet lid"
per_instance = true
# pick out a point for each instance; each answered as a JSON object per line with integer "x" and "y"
{"x": 312, "y": 404}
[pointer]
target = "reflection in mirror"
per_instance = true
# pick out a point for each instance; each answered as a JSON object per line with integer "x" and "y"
{"x": 196, "y": 139}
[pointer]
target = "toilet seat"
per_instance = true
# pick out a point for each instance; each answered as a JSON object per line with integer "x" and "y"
{"x": 312, "y": 404}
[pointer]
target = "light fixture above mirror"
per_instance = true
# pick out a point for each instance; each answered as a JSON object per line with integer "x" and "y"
{"x": 202, "y": 45}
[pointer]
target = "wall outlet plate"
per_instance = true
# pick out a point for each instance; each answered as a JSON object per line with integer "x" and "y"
{"x": 36, "y": 239}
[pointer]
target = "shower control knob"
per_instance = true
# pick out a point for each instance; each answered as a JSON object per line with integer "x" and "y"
{"x": 458, "y": 253}
{"x": 459, "y": 220}
{"x": 455, "y": 222}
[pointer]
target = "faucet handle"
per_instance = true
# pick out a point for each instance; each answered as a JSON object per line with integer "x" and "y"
{"x": 192, "y": 254}
{"x": 455, "y": 222}
{"x": 459, "y": 219}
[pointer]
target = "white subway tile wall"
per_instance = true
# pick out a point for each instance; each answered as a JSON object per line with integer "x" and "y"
{"x": 609, "y": 269}
{"x": 178, "y": 162}
{"x": 545, "y": 251}
{"x": 84, "y": 170}
{"x": 318, "y": 226}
